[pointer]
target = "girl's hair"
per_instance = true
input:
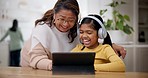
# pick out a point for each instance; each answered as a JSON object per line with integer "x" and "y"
{"x": 71, "y": 5}
{"x": 14, "y": 25}
{"x": 96, "y": 26}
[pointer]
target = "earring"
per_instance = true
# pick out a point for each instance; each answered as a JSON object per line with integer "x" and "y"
{"x": 53, "y": 21}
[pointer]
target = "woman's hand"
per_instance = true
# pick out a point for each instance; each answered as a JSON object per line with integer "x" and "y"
{"x": 50, "y": 65}
{"x": 120, "y": 51}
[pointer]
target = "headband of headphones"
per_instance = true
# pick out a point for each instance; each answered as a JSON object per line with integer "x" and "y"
{"x": 94, "y": 18}
{"x": 101, "y": 24}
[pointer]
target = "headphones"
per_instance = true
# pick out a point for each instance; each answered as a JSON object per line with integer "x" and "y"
{"x": 102, "y": 33}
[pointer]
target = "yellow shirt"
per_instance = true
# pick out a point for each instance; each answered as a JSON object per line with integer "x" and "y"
{"x": 105, "y": 60}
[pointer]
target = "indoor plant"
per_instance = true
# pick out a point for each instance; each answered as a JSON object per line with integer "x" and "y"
{"x": 119, "y": 21}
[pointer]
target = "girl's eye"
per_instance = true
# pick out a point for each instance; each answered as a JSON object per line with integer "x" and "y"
{"x": 89, "y": 32}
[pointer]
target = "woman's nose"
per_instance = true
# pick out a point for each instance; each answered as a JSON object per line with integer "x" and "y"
{"x": 65, "y": 23}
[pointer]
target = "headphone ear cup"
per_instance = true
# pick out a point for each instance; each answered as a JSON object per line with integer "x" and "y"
{"x": 102, "y": 33}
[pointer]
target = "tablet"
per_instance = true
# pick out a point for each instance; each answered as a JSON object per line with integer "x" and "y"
{"x": 73, "y": 58}
{"x": 73, "y": 62}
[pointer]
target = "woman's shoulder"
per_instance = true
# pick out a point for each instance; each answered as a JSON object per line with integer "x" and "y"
{"x": 19, "y": 29}
{"x": 42, "y": 29}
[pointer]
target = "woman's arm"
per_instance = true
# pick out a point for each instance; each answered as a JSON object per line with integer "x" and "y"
{"x": 120, "y": 51}
{"x": 4, "y": 36}
{"x": 40, "y": 58}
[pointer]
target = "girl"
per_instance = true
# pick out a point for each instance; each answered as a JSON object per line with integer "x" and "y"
{"x": 91, "y": 28}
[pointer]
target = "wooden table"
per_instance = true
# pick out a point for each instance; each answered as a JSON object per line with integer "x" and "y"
{"x": 22, "y": 72}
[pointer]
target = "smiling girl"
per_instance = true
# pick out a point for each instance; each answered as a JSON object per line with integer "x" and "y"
{"x": 90, "y": 30}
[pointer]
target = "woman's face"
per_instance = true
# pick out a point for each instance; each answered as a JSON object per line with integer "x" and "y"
{"x": 88, "y": 36}
{"x": 64, "y": 20}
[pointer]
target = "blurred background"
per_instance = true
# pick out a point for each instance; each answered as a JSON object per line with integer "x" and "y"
{"x": 27, "y": 11}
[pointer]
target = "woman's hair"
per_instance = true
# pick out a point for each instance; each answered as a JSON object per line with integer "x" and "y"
{"x": 96, "y": 26}
{"x": 71, "y": 5}
{"x": 14, "y": 25}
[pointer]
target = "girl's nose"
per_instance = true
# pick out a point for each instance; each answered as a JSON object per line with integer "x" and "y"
{"x": 84, "y": 35}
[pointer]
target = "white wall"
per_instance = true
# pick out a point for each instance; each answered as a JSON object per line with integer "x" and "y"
{"x": 93, "y": 7}
{"x": 26, "y": 11}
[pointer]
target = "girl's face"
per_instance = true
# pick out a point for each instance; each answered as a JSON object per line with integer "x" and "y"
{"x": 64, "y": 20}
{"x": 88, "y": 36}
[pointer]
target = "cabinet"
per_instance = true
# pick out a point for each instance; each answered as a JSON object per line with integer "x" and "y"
{"x": 136, "y": 58}
{"x": 143, "y": 21}
{"x": 137, "y": 52}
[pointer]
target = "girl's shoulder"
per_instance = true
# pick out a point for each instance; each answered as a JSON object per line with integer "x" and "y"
{"x": 77, "y": 48}
{"x": 79, "y": 45}
{"x": 104, "y": 46}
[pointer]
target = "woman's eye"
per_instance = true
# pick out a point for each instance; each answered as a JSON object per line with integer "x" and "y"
{"x": 61, "y": 19}
{"x": 81, "y": 32}
{"x": 71, "y": 20}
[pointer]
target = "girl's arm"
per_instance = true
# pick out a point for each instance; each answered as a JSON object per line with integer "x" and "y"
{"x": 120, "y": 51}
{"x": 115, "y": 63}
